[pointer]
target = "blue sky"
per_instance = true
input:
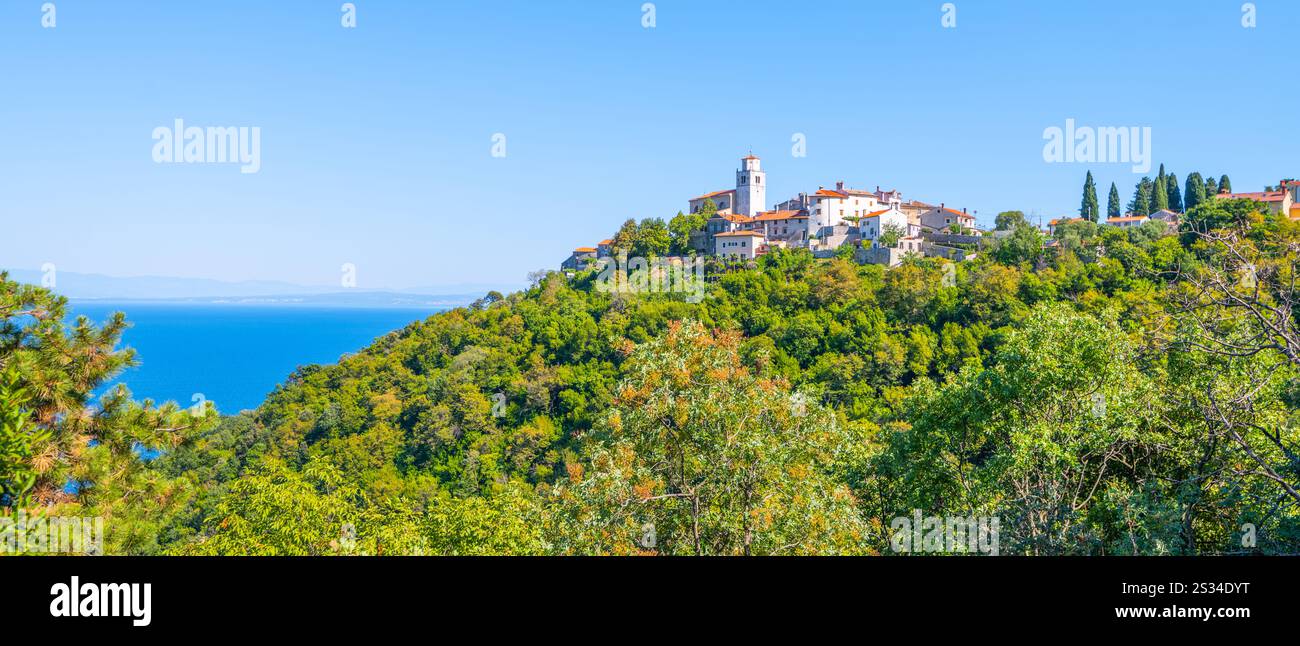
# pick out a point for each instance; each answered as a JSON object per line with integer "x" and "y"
{"x": 375, "y": 144}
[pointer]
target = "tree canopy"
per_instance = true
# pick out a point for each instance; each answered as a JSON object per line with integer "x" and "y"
{"x": 1118, "y": 391}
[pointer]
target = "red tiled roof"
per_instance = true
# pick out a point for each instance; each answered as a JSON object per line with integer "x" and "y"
{"x": 777, "y": 215}
{"x": 585, "y": 250}
{"x": 825, "y": 192}
{"x": 1262, "y": 196}
{"x": 713, "y": 194}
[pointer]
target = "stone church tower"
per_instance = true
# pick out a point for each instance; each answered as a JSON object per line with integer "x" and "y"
{"x": 751, "y": 187}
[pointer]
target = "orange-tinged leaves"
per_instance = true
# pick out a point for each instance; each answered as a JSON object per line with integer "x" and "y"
{"x": 574, "y": 470}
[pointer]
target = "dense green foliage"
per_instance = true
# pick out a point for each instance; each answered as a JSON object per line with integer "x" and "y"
{"x": 59, "y": 449}
{"x": 1117, "y": 392}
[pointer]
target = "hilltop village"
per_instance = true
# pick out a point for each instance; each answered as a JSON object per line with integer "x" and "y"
{"x": 877, "y": 226}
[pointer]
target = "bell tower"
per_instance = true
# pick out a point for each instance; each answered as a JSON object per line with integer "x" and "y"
{"x": 751, "y": 187}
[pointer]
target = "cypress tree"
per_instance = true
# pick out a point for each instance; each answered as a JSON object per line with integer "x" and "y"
{"x": 1175, "y": 194}
{"x": 1211, "y": 187}
{"x": 1195, "y": 191}
{"x": 1089, "y": 208}
{"x": 1160, "y": 192}
{"x": 1112, "y": 203}
{"x": 1225, "y": 184}
{"x": 1141, "y": 203}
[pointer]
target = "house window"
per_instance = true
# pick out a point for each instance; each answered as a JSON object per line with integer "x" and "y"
{"x": 758, "y": 180}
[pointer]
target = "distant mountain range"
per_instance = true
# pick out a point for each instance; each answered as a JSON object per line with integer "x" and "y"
{"x": 98, "y": 287}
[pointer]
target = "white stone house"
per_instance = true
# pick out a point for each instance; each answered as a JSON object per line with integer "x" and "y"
{"x": 789, "y": 227}
{"x": 724, "y": 223}
{"x": 742, "y": 244}
{"x": 830, "y": 207}
{"x": 942, "y": 218}
{"x": 1128, "y": 221}
{"x": 873, "y": 225}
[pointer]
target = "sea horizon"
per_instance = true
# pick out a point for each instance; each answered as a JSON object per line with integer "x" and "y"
{"x": 235, "y": 354}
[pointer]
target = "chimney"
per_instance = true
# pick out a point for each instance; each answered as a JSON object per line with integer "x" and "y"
{"x": 839, "y": 186}
{"x": 963, "y": 210}
{"x": 942, "y": 206}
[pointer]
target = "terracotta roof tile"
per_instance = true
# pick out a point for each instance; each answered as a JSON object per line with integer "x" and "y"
{"x": 777, "y": 215}
{"x": 714, "y": 194}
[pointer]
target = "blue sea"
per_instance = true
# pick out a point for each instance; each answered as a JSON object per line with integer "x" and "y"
{"x": 234, "y": 355}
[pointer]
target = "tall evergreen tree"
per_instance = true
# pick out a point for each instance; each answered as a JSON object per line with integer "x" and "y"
{"x": 1113, "y": 206}
{"x": 1160, "y": 192}
{"x": 1195, "y": 191}
{"x": 1175, "y": 194}
{"x": 1089, "y": 209}
{"x": 1211, "y": 187}
{"x": 1225, "y": 184}
{"x": 1141, "y": 202}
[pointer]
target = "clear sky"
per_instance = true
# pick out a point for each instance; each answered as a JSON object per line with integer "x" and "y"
{"x": 376, "y": 141}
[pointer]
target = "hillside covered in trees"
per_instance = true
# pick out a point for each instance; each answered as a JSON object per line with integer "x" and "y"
{"x": 1116, "y": 392}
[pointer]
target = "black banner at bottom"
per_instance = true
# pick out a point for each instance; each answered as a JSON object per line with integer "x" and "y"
{"x": 936, "y": 596}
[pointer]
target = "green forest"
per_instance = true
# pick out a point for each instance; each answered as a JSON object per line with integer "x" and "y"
{"x": 1105, "y": 392}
